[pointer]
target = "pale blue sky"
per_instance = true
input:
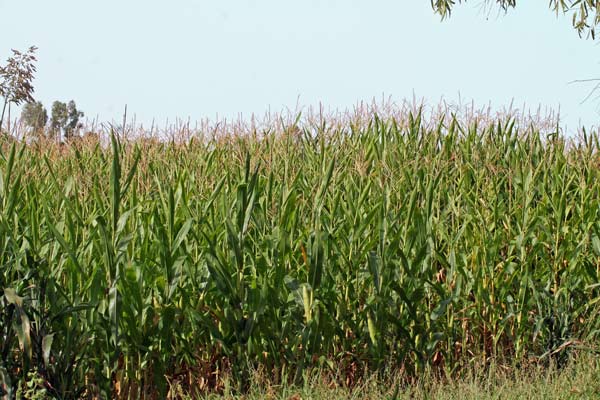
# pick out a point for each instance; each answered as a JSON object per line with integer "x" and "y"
{"x": 196, "y": 59}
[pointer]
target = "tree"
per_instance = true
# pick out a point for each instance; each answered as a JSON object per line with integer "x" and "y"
{"x": 586, "y": 13}
{"x": 35, "y": 116}
{"x": 73, "y": 120}
{"x": 59, "y": 117}
{"x": 65, "y": 118}
{"x": 15, "y": 79}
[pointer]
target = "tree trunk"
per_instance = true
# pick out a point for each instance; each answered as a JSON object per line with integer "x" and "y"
{"x": 2, "y": 117}
{"x": 8, "y": 120}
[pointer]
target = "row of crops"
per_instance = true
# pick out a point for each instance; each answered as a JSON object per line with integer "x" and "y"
{"x": 394, "y": 245}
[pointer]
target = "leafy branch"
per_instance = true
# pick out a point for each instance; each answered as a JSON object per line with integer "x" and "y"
{"x": 586, "y": 13}
{"x": 16, "y": 79}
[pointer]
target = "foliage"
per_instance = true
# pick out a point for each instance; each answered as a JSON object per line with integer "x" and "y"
{"x": 586, "y": 13}
{"x": 390, "y": 244}
{"x": 74, "y": 115}
{"x": 16, "y": 79}
{"x": 59, "y": 117}
{"x": 35, "y": 116}
{"x": 33, "y": 388}
{"x": 65, "y": 117}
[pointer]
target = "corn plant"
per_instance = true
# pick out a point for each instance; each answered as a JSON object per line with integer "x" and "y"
{"x": 395, "y": 243}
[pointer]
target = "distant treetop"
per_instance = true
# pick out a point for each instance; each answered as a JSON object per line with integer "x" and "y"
{"x": 586, "y": 13}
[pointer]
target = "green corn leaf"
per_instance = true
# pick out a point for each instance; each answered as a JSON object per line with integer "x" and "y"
{"x": 46, "y": 348}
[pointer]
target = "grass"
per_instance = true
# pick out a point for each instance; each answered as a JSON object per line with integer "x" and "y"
{"x": 350, "y": 248}
{"x": 579, "y": 380}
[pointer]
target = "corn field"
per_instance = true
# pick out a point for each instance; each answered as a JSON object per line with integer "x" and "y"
{"x": 392, "y": 245}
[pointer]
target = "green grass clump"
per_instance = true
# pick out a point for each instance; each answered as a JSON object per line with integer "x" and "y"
{"x": 389, "y": 245}
{"x": 577, "y": 380}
